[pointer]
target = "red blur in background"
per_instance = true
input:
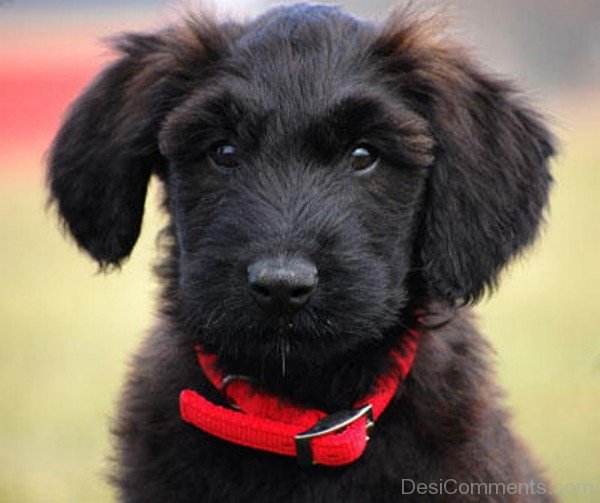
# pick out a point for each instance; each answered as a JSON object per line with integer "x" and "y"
{"x": 46, "y": 58}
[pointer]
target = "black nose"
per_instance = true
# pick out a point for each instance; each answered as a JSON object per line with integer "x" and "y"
{"x": 282, "y": 283}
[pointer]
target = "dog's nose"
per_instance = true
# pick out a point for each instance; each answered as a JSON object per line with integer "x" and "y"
{"x": 282, "y": 283}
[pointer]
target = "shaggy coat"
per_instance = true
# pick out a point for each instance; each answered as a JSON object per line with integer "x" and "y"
{"x": 381, "y": 153}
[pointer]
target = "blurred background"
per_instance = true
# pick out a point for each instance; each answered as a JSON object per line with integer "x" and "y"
{"x": 66, "y": 332}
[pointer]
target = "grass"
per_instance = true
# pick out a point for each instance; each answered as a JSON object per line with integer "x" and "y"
{"x": 66, "y": 333}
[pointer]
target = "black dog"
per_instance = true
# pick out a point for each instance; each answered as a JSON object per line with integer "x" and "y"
{"x": 334, "y": 186}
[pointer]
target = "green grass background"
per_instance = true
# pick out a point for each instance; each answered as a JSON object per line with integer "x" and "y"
{"x": 66, "y": 333}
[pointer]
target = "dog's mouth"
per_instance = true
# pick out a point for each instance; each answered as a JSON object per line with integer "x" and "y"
{"x": 257, "y": 341}
{"x": 296, "y": 355}
{"x": 298, "y": 308}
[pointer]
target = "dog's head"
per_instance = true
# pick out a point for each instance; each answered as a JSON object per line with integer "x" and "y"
{"x": 321, "y": 173}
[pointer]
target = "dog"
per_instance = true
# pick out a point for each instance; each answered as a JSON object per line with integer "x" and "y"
{"x": 339, "y": 193}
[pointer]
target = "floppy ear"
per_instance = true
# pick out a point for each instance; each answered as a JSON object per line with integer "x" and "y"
{"x": 489, "y": 183}
{"x": 106, "y": 150}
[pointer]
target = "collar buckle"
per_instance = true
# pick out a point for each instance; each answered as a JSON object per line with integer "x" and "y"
{"x": 229, "y": 379}
{"x": 329, "y": 424}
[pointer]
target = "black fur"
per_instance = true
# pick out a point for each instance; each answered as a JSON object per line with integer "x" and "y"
{"x": 459, "y": 189}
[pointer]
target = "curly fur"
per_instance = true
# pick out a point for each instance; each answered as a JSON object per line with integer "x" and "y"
{"x": 459, "y": 190}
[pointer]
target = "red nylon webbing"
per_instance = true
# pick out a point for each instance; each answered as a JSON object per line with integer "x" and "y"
{"x": 267, "y": 423}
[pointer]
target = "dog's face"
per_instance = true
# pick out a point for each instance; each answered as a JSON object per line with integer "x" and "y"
{"x": 321, "y": 174}
{"x": 293, "y": 161}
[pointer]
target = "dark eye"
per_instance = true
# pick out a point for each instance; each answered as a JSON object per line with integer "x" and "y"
{"x": 363, "y": 158}
{"x": 225, "y": 156}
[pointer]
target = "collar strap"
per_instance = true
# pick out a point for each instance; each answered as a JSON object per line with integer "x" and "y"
{"x": 262, "y": 421}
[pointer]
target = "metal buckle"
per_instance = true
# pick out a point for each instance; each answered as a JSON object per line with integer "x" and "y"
{"x": 227, "y": 380}
{"x": 329, "y": 424}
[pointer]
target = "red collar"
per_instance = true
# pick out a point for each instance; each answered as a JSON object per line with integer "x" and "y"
{"x": 264, "y": 422}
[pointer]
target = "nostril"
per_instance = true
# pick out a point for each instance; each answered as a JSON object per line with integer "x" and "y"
{"x": 260, "y": 289}
{"x": 300, "y": 292}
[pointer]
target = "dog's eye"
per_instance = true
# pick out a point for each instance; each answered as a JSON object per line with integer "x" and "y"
{"x": 225, "y": 155}
{"x": 363, "y": 158}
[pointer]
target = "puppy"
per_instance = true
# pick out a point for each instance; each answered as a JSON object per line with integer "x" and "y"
{"x": 339, "y": 192}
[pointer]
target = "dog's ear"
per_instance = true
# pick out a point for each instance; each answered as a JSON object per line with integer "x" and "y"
{"x": 102, "y": 158}
{"x": 488, "y": 186}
